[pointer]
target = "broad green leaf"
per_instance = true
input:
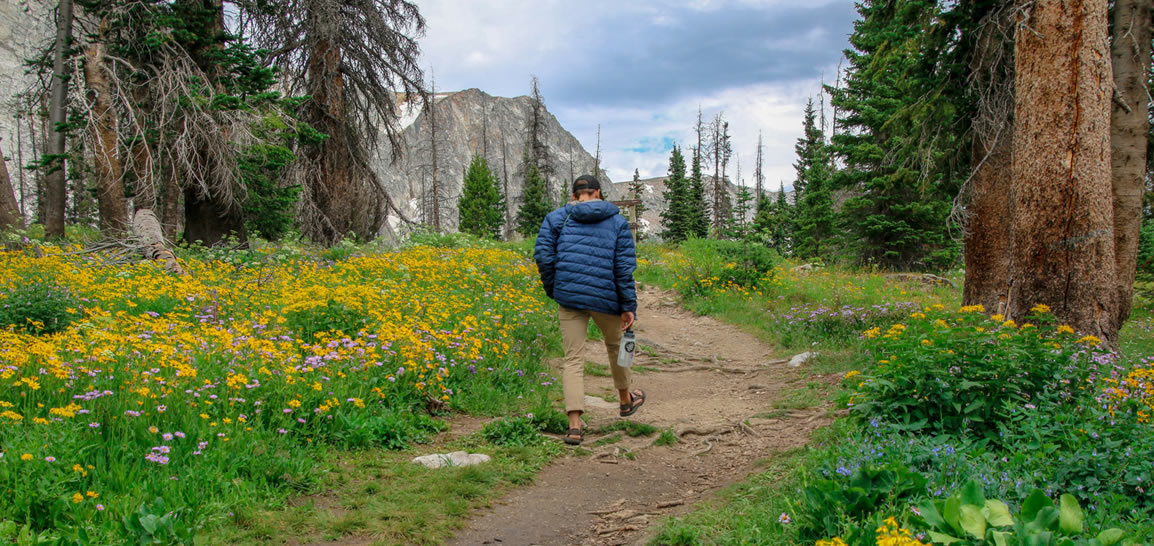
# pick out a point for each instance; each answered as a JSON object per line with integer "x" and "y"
{"x": 1000, "y": 538}
{"x": 1110, "y": 537}
{"x": 972, "y": 494}
{"x": 972, "y": 520}
{"x": 952, "y": 513}
{"x": 1043, "y": 538}
{"x": 1069, "y": 515}
{"x": 149, "y": 523}
{"x": 932, "y": 516}
{"x": 1033, "y": 503}
{"x": 942, "y": 538}
{"x": 998, "y": 514}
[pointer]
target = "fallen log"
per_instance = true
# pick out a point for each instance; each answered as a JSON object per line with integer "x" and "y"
{"x": 147, "y": 230}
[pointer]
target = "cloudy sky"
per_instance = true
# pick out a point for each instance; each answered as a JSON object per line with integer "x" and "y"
{"x": 642, "y": 68}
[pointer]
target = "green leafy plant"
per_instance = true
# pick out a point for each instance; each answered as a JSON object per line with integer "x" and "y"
{"x": 37, "y": 305}
{"x": 713, "y": 264}
{"x": 511, "y": 432}
{"x": 952, "y": 372}
{"x": 153, "y": 524}
{"x": 333, "y": 316}
{"x": 828, "y": 503}
{"x": 388, "y": 429}
{"x": 968, "y": 518}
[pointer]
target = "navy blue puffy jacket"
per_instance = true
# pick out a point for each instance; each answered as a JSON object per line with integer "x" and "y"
{"x": 586, "y": 258}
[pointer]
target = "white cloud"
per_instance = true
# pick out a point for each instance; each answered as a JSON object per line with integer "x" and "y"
{"x": 774, "y": 109}
{"x": 642, "y": 68}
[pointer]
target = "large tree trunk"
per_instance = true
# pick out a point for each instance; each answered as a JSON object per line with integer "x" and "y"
{"x": 988, "y": 211}
{"x": 106, "y": 159}
{"x": 170, "y": 205}
{"x": 10, "y": 216}
{"x": 987, "y": 238}
{"x": 55, "y": 191}
{"x": 1130, "y": 53}
{"x": 1062, "y": 252}
{"x": 330, "y": 184}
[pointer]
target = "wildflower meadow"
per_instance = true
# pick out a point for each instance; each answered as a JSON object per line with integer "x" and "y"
{"x": 140, "y": 404}
{"x": 955, "y": 426}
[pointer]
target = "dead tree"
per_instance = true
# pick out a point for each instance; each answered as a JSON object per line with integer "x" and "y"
{"x": 10, "y": 216}
{"x": 352, "y": 59}
{"x": 106, "y": 161}
{"x": 55, "y": 193}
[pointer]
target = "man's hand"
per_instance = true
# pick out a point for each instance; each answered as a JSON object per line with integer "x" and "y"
{"x": 627, "y": 320}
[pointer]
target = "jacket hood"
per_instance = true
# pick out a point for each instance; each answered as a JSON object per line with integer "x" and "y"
{"x": 591, "y": 212}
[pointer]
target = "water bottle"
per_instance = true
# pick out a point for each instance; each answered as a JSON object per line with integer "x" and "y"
{"x": 628, "y": 344}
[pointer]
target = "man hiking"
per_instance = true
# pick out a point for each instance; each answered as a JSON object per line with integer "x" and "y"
{"x": 586, "y": 259}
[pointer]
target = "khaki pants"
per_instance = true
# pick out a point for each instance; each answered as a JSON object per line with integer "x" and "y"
{"x": 574, "y": 323}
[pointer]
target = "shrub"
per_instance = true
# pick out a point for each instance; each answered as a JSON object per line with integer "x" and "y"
{"x": 332, "y": 316}
{"x": 951, "y": 373}
{"x": 511, "y": 432}
{"x": 714, "y": 264}
{"x": 389, "y": 429}
{"x": 37, "y": 305}
{"x": 828, "y": 504}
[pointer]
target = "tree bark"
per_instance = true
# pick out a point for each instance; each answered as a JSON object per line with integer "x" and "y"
{"x": 170, "y": 211}
{"x": 108, "y": 167}
{"x": 10, "y": 216}
{"x": 987, "y": 238}
{"x": 1130, "y": 56}
{"x": 56, "y": 180}
{"x": 988, "y": 212}
{"x": 1062, "y": 252}
{"x": 331, "y": 187}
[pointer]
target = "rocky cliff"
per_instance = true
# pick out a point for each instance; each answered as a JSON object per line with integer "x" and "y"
{"x": 23, "y": 28}
{"x": 473, "y": 122}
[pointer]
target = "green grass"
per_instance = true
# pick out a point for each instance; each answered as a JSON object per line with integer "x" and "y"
{"x": 744, "y": 513}
{"x": 666, "y": 438}
{"x": 631, "y": 428}
{"x": 611, "y": 439}
{"x": 382, "y": 494}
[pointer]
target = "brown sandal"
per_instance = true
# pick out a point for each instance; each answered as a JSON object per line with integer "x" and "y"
{"x": 636, "y": 399}
{"x": 575, "y": 436}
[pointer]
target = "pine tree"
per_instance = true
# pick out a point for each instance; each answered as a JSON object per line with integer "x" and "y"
{"x": 481, "y": 207}
{"x": 699, "y": 209}
{"x": 535, "y": 202}
{"x": 813, "y": 218}
{"x": 636, "y": 191}
{"x": 739, "y": 224}
{"x": 773, "y": 221}
{"x": 903, "y": 169}
{"x": 675, "y": 216}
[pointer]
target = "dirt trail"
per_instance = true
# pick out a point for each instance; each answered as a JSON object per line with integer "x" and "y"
{"x": 708, "y": 382}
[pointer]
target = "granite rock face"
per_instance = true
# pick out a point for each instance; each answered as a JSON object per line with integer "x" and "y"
{"x": 24, "y": 27}
{"x": 473, "y": 122}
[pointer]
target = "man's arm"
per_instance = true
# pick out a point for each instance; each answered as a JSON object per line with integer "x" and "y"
{"x": 624, "y": 262}
{"x": 545, "y": 254}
